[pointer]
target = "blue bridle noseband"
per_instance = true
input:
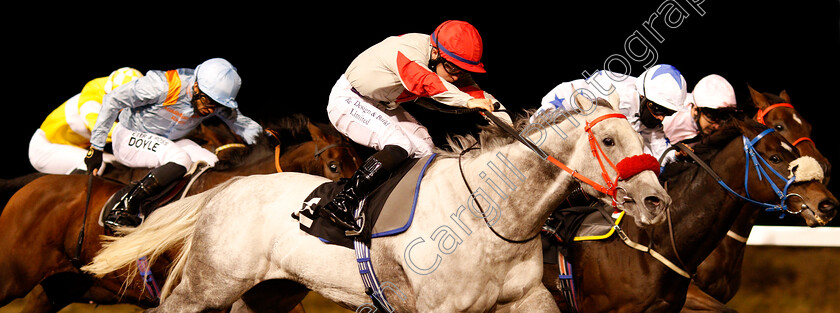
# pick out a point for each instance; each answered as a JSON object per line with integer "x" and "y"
{"x": 752, "y": 156}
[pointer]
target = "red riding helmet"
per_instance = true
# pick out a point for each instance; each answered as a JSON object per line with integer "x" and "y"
{"x": 460, "y": 43}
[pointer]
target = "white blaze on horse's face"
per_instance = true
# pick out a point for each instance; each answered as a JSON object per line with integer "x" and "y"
{"x": 641, "y": 196}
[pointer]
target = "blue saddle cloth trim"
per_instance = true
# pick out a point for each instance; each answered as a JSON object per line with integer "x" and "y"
{"x": 413, "y": 204}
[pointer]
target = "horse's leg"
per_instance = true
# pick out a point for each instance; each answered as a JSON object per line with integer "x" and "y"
{"x": 274, "y": 295}
{"x": 37, "y": 301}
{"x": 549, "y": 280}
{"x": 204, "y": 287}
{"x": 56, "y": 292}
{"x": 538, "y": 299}
{"x": 698, "y": 301}
{"x": 25, "y": 267}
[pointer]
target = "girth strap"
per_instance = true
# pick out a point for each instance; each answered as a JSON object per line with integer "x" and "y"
{"x": 646, "y": 249}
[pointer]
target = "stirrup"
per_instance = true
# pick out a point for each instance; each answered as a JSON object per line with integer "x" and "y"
{"x": 121, "y": 218}
{"x": 349, "y": 228}
{"x": 360, "y": 221}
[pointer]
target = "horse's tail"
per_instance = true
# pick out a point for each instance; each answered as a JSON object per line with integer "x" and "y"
{"x": 169, "y": 227}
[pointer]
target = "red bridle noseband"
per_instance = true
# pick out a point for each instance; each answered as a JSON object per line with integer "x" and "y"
{"x": 627, "y": 167}
{"x": 759, "y": 116}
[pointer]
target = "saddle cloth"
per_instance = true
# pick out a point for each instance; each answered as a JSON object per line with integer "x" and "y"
{"x": 388, "y": 210}
{"x": 578, "y": 224}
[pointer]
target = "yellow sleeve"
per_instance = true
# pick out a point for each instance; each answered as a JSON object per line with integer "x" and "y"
{"x": 93, "y": 92}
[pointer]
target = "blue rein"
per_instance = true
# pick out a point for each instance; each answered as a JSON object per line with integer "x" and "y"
{"x": 752, "y": 156}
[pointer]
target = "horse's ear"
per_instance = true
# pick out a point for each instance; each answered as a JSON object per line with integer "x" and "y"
{"x": 614, "y": 100}
{"x": 759, "y": 100}
{"x": 316, "y": 133}
{"x": 785, "y": 96}
{"x": 582, "y": 101}
{"x": 745, "y": 126}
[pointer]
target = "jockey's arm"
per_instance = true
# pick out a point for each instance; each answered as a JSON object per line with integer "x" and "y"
{"x": 242, "y": 125}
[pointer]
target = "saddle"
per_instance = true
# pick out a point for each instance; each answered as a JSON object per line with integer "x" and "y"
{"x": 175, "y": 191}
{"x": 389, "y": 209}
{"x": 582, "y": 223}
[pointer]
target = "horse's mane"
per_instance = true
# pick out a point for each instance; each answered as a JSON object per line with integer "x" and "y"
{"x": 708, "y": 147}
{"x": 290, "y": 131}
{"x": 489, "y": 136}
{"x": 492, "y": 136}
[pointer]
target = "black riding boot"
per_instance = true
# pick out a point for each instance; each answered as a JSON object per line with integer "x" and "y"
{"x": 126, "y": 213}
{"x": 376, "y": 169}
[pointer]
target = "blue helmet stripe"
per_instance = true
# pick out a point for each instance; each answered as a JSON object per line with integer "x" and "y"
{"x": 449, "y": 53}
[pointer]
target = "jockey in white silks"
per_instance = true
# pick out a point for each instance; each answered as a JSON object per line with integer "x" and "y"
{"x": 657, "y": 93}
{"x": 155, "y": 113}
{"x": 365, "y": 103}
{"x": 710, "y": 103}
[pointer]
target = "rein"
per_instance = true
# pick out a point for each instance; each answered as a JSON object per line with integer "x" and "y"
{"x": 318, "y": 152}
{"x": 229, "y": 146}
{"x": 752, "y": 156}
{"x": 273, "y": 133}
{"x": 759, "y": 116}
{"x": 596, "y": 149}
{"x": 80, "y": 241}
{"x": 597, "y": 152}
{"x": 611, "y": 185}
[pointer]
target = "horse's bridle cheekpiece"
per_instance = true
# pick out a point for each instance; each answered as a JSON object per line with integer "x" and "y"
{"x": 752, "y": 156}
{"x": 759, "y": 116}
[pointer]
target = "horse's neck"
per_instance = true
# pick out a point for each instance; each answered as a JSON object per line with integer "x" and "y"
{"x": 515, "y": 188}
{"x": 213, "y": 177}
{"x": 703, "y": 211}
{"x": 746, "y": 220}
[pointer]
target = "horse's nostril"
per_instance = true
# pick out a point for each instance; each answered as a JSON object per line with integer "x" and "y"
{"x": 652, "y": 202}
{"x": 827, "y": 206}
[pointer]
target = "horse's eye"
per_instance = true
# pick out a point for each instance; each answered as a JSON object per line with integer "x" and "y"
{"x": 775, "y": 158}
{"x": 608, "y": 142}
{"x": 333, "y": 167}
{"x": 779, "y": 127}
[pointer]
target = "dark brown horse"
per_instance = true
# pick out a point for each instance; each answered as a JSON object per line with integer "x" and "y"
{"x": 40, "y": 224}
{"x": 610, "y": 276}
{"x": 719, "y": 276}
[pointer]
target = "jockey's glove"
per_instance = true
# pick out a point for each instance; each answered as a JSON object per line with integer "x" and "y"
{"x": 93, "y": 160}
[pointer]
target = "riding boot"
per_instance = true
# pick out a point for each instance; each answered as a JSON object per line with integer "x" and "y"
{"x": 126, "y": 213}
{"x": 376, "y": 169}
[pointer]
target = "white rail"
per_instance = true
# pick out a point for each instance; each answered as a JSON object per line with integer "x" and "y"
{"x": 794, "y": 236}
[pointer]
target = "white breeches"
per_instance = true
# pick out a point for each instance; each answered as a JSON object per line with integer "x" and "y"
{"x": 373, "y": 125}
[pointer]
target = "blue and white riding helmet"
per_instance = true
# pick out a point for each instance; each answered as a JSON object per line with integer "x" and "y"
{"x": 664, "y": 85}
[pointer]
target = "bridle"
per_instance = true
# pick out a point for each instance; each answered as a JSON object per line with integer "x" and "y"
{"x": 752, "y": 156}
{"x": 759, "y": 116}
{"x": 611, "y": 187}
{"x": 318, "y": 152}
{"x": 316, "y": 155}
{"x": 753, "y": 159}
